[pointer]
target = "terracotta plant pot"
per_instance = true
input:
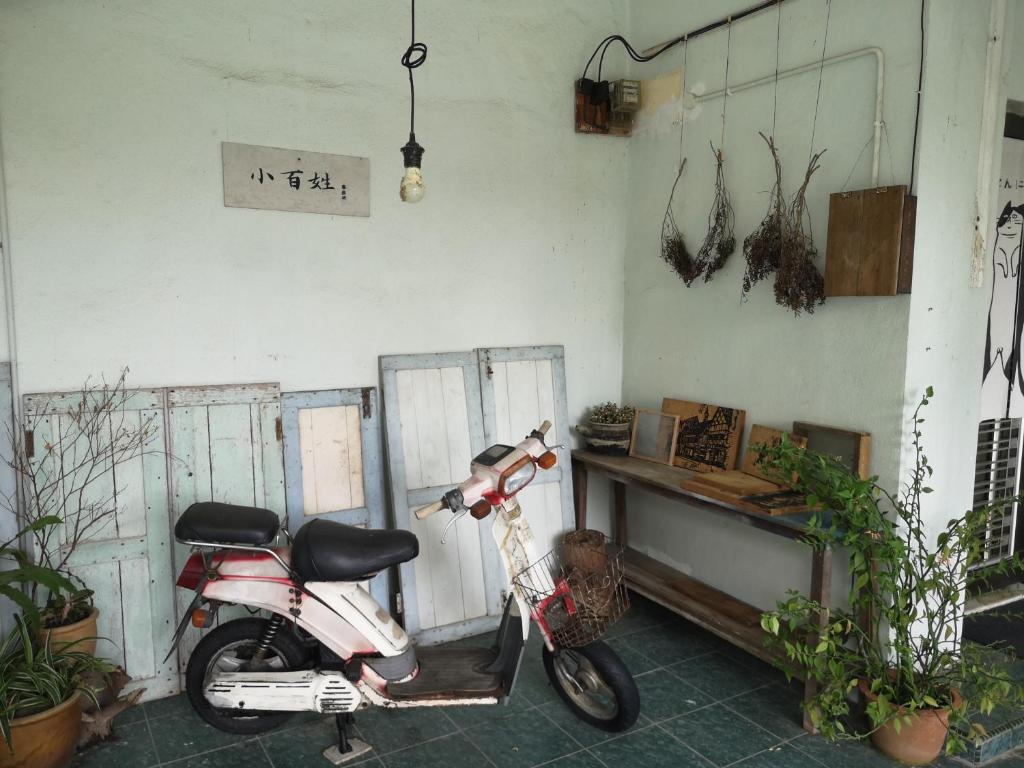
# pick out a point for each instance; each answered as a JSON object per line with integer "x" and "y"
{"x": 80, "y": 636}
{"x": 918, "y": 742}
{"x": 44, "y": 740}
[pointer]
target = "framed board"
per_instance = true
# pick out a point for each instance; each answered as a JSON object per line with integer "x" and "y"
{"x": 654, "y": 436}
{"x": 851, "y": 447}
{"x": 708, "y": 439}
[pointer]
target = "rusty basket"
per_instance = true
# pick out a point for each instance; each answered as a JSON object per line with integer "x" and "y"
{"x": 576, "y": 591}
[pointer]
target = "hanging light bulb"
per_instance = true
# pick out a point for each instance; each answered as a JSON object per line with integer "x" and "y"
{"x": 412, "y": 187}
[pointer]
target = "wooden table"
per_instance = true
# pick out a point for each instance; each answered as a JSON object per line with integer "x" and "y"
{"x": 720, "y": 613}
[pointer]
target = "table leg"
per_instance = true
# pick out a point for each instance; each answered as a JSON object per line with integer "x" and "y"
{"x": 821, "y": 587}
{"x": 619, "y": 490}
{"x": 579, "y": 493}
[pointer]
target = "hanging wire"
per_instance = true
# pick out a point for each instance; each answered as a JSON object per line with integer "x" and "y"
{"x": 725, "y": 94}
{"x": 682, "y": 103}
{"x": 821, "y": 72}
{"x": 413, "y": 57}
{"x": 778, "y": 44}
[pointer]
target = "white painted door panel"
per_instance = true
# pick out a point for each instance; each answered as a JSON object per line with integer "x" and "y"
{"x": 521, "y": 387}
{"x": 432, "y": 412}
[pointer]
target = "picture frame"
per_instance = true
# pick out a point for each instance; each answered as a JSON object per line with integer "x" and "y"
{"x": 654, "y": 436}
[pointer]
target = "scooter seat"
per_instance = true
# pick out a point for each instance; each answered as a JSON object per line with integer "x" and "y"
{"x": 216, "y": 523}
{"x": 327, "y": 551}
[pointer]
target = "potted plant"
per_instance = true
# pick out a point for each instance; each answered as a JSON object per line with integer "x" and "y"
{"x": 64, "y": 458}
{"x": 40, "y": 688}
{"x": 607, "y": 428}
{"x": 896, "y": 641}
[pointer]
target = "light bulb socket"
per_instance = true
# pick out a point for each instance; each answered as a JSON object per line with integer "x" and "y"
{"x": 413, "y": 152}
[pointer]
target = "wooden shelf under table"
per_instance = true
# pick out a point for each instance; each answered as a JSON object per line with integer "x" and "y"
{"x": 719, "y": 613}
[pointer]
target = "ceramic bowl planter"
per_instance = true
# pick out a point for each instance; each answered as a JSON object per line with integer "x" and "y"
{"x": 919, "y": 741}
{"x": 45, "y": 739}
{"x": 80, "y": 636}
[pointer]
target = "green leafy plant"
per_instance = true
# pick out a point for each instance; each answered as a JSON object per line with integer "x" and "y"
{"x": 610, "y": 413}
{"x": 36, "y": 678}
{"x": 22, "y": 578}
{"x": 897, "y": 637}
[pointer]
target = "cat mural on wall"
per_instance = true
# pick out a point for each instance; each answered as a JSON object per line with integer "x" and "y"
{"x": 1002, "y": 391}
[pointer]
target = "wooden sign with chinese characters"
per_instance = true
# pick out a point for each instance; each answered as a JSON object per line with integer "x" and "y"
{"x": 292, "y": 180}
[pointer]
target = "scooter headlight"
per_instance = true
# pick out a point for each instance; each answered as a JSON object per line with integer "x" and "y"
{"x": 517, "y": 477}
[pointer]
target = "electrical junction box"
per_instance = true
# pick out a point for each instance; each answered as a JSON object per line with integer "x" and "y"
{"x": 606, "y": 107}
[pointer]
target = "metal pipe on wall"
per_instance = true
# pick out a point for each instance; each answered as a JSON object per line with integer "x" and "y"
{"x": 810, "y": 67}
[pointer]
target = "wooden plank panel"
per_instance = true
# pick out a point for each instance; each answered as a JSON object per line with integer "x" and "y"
{"x": 546, "y": 400}
{"x": 130, "y": 487}
{"x": 433, "y": 432}
{"x": 499, "y": 401}
{"x": 409, "y": 430}
{"x": 523, "y": 402}
{"x": 160, "y": 564}
{"x": 227, "y": 394}
{"x": 324, "y": 446}
{"x": 423, "y": 569}
{"x": 137, "y": 613}
{"x": 272, "y": 457}
{"x": 231, "y": 454}
{"x": 105, "y": 580}
{"x": 354, "y": 449}
{"x": 456, "y": 422}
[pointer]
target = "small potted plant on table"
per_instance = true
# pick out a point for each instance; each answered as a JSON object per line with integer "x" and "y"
{"x": 897, "y": 640}
{"x": 607, "y": 430}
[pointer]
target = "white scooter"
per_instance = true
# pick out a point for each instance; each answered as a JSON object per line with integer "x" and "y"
{"x": 329, "y": 647}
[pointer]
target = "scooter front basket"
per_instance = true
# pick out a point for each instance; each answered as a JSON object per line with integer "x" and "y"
{"x": 576, "y": 593}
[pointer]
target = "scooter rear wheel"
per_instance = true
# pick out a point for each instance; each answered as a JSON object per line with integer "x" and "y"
{"x": 226, "y": 649}
{"x": 595, "y": 684}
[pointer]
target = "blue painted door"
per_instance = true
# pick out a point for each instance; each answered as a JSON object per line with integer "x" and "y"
{"x": 332, "y": 462}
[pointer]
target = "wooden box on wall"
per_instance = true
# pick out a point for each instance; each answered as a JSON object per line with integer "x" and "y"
{"x": 870, "y": 248}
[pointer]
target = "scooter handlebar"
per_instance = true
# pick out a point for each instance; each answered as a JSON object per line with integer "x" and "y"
{"x": 424, "y": 512}
{"x": 543, "y": 428}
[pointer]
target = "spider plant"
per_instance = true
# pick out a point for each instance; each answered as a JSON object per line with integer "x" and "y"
{"x": 36, "y": 678}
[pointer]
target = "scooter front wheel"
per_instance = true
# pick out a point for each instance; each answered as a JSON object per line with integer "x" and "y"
{"x": 228, "y": 648}
{"x": 595, "y": 684}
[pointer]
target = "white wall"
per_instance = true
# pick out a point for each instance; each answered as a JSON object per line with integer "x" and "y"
{"x": 111, "y": 118}
{"x": 843, "y": 365}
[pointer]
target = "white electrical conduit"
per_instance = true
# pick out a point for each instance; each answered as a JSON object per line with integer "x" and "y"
{"x": 810, "y": 67}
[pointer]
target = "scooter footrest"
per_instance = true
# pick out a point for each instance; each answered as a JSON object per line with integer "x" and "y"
{"x": 451, "y": 673}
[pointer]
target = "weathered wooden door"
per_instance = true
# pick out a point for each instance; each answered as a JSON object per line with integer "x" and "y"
{"x": 521, "y": 387}
{"x": 434, "y": 429}
{"x": 332, "y": 462}
{"x": 225, "y": 445}
{"x": 127, "y": 563}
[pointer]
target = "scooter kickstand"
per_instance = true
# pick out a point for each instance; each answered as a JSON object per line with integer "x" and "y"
{"x": 347, "y": 748}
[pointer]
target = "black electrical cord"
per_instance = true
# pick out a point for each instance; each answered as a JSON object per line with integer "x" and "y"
{"x": 917, "y": 112}
{"x": 413, "y": 57}
{"x": 635, "y": 55}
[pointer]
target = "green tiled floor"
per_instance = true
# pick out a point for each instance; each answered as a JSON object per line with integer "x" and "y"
{"x": 703, "y": 704}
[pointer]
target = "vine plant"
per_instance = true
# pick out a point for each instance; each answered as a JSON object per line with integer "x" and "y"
{"x": 897, "y": 637}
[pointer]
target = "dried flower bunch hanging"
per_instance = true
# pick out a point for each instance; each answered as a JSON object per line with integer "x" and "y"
{"x": 798, "y": 283}
{"x": 719, "y": 242}
{"x": 673, "y": 248}
{"x": 763, "y": 247}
